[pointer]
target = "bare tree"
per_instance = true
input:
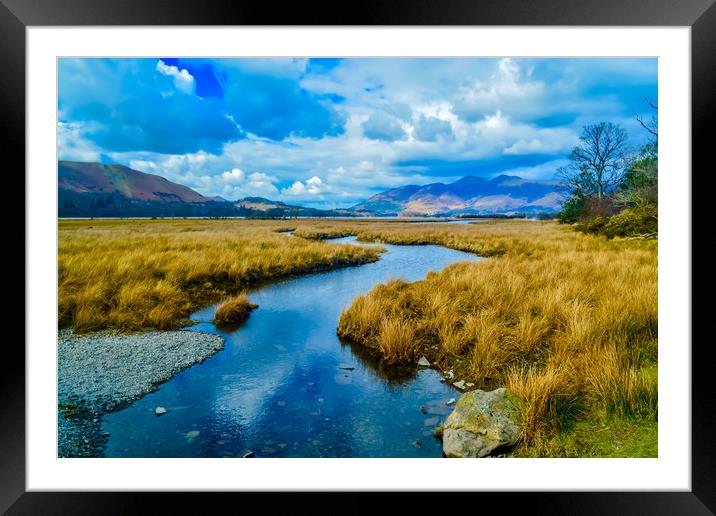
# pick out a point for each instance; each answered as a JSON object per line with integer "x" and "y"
{"x": 652, "y": 126}
{"x": 597, "y": 163}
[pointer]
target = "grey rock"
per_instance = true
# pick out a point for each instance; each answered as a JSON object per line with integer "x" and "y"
{"x": 248, "y": 455}
{"x": 460, "y": 384}
{"x": 482, "y": 422}
{"x": 423, "y": 362}
{"x": 160, "y": 411}
{"x": 451, "y": 401}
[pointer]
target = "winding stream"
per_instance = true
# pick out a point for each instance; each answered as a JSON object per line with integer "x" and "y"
{"x": 285, "y": 386}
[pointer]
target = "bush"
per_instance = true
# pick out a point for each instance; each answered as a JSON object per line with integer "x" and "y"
{"x": 572, "y": 210}
{"x": 594, "y": 225}
{"x": 633, "y": 221}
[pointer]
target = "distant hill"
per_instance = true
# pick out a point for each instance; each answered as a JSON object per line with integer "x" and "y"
{"x": 98, "y": 178}
{"x": 101, "y": 190}
{"x": 469, "y": 195}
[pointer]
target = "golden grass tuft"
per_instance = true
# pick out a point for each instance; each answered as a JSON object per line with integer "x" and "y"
{"x": 234, "y": 311}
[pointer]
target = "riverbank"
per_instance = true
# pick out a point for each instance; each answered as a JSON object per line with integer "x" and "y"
{"x": 105, "y": 372}
{"x": 138, "y": 275}
{"x": 566, "y": 321}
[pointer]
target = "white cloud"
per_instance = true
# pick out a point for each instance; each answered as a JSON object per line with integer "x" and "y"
{"x": 314, "y": 186}
{"x": 509, "y": 88}
{"x": 235, "y": 184}
{"x": 234, "y": 176}
{"x": 72, "y": 146}
{"x": 183, "y": 80}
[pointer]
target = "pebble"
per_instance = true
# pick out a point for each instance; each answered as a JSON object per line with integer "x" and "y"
{"x": 107, "y": 370}
{"x": 451, "y": 401}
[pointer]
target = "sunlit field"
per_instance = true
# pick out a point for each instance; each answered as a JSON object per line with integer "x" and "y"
{"x": 150, "y": 274}
{"x": 568, "y": 321}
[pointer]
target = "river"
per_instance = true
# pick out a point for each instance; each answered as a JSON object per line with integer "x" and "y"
{"x": 285, "y": 385}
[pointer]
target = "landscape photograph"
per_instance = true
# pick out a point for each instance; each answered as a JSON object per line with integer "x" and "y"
{"x": 357, "y": 257}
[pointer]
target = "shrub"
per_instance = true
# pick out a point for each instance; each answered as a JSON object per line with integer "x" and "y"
{"x": 595, "y": 225}
{"x": 633, "y": 221}
{"x": 572, "y": 210}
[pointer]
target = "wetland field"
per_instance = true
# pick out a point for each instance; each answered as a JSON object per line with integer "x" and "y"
{"x": 352, "y": 338}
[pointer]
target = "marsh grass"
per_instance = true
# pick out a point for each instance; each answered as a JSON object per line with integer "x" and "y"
{"x": 567, "y": 321}
{"x": 234, "y": 311}
{"x": 149, "y": 274}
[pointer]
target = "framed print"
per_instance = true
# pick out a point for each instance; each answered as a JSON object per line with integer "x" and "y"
{"x": 356, "y": 251}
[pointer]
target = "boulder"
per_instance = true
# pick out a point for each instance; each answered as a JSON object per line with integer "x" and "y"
{"x": 482, "y": 422}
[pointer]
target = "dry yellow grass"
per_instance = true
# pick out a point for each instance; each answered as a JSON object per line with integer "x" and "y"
{"x": 568, "y": 321}
{"x": 234, "y": 311}
{"x": 134, "y": 275}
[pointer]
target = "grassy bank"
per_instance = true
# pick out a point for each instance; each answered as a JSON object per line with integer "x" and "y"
{"x": 151, "y": 274}
{"x": 567, "y": 321}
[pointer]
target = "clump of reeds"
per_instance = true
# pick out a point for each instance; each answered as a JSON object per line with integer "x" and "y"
{"x": 233, "y": 311}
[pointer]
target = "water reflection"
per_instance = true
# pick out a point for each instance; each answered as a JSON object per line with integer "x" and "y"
{"x": 286, "y": 386}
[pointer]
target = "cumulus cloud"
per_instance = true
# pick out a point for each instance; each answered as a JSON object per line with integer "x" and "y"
{"x": 183, "y": 80}
{"x": 121, "y": 107}
{"x": 430, "y": 129}
{"x": 382, "y": 126}
{"x": 313, "y": 186}
{"x": 235, "y": 184}
{"x": 509, "y": 88}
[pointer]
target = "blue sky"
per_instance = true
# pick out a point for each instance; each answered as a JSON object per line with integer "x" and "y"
{"x": 331, "y": 132}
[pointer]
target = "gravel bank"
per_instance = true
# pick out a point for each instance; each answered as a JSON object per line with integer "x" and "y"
{"x": 104, "y": 372}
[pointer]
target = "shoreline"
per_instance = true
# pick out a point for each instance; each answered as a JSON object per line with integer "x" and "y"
{"x": 104, "y": 372}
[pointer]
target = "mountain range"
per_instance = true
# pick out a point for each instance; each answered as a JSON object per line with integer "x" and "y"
{"x": 469, "y": 195}
{"x": 110, "y": 190}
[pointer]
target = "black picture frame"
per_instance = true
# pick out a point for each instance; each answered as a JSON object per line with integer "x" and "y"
{"x": 700, "y": 15}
